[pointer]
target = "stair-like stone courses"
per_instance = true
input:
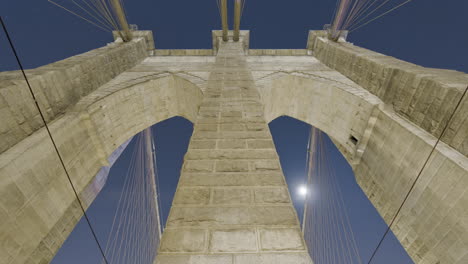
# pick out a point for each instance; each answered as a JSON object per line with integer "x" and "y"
{"x": 232, "y": 204}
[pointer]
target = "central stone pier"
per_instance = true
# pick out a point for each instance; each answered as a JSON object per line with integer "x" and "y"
{"x": 232, "y": 204}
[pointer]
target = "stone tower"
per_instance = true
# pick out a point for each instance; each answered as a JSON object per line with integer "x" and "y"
{"x": 232, "y": 204}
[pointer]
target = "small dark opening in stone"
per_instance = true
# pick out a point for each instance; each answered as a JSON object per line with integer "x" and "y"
{"x": 353, "y": 140}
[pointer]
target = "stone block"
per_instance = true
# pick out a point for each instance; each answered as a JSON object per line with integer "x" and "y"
{"x": 232, "y": 166}
{"x": 207, "y": 120}
{"x": 232, "y": 144}
{"x": 233, "y": 240}
{"x": 197, "y": 196}
{"x": 202, "y": 144}
{"x": 209, "y": 216}
{"x": 256, "y": 126}
{"x": 278, "y": 239}
{"x": 253, "y": 114}
{"x": 274, "y": 215}
{"x": 260, "y": 144}
{"x": 206, "y": 127}
{"x": 231, "y": 196}
{"x": 194, "y": 259}
{"x": 242, "y": 119}
{"x": 272, "y": 195}
{"x": 183, "y": 240}
{"x": 16, "y": 199}
{"x": 232, "y": 179}
{"x": 211, "y": 114}
{"x": 198, "y": 166}
{"x": 234, "y": 215}
{"x": 232, "y": 127}
{"x": 265, "y": 165}
{"x": 274, "y": 258}
{"x": 246, "y": 135}
{"x": 233, "y": 154}
{"x": 231, "y": 114}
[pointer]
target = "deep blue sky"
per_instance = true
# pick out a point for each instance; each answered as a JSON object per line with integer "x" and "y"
{"x": 431, "y": 33}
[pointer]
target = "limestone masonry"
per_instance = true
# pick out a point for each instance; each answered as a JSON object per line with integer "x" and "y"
{"x": 232, "y": 204}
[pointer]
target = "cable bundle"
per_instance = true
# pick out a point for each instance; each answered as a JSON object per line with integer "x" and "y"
{"x": 218, "y": 3}
{"x": 136, "y": 230}
{"x": 104, "y": 14}
{"x": 353, "y": 14}
{"x": 326, "y": 225}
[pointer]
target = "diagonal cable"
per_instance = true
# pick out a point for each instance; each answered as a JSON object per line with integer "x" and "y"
{"x": 51, "y": 138}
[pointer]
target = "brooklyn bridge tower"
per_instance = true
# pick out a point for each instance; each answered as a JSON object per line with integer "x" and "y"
{"x": 403, "y": 129}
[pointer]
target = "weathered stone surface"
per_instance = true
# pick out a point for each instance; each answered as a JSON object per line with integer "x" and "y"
{"x": 232, "y": 196}
{"x": 233, "y": 127}
{"x": 192, "y": 196}
{"x": 243, "y": 199}
{"x": 233, "y": 240}
{"x": 277, "y": 239}
{"x": 232, "y": 166}
{"x": 260, "y": 144}
{"x": 183, "y": 240}
{"x": 86, "y": 134}
{"x": 195, "y": 259}
{"x": 265, "y": 165}
{"x": 426, "y": 97}
{"x": 383, "y": 114}
{"x": 232, "y": 144}
{"x": 206, "y": 127}
{"x": 202, "y": 144}
{"x": 272, "y": 195}
{"x": 199, "y": 166}
{"x": 59, "y": 85}
{"x": 226, "y": 216}
{"x": 275, "y": 258}
{"x": 233, "y": 179}
{"x": 230, "y": 154}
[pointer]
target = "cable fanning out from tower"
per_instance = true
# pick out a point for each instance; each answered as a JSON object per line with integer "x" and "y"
{"x": 107, "y": 15}
{"x": 351, "y": 15}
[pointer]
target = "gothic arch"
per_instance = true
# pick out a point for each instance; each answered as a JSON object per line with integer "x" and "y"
{"x": 385, "y": 150}
{"x": 86, "y": 135}
{"x": 340, "y": 109}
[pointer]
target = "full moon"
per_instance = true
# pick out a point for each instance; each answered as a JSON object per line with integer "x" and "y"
{"x": 302, "y": 190}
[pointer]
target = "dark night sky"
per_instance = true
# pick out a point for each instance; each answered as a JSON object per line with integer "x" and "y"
{"x": 431, "y": 33}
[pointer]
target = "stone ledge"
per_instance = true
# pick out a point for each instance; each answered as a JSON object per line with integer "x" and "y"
{"x": 183, "y": 52}
{"x": 232, "y": 216}
{"x": 254, "y": 258}
{"x": 232, "y": 179}
{"x": 278, "y": 52}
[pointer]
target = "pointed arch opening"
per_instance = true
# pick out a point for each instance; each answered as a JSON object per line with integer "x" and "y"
{"x": 171, "y": 139}
{"x": 323, "y": 229}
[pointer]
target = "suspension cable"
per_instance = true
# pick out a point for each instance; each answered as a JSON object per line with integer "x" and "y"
{"x": 352, "y": 15}
{"x": 326, "y": 225}
{"x": 52, "y": 139}
{"x": 419, "y": 174}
